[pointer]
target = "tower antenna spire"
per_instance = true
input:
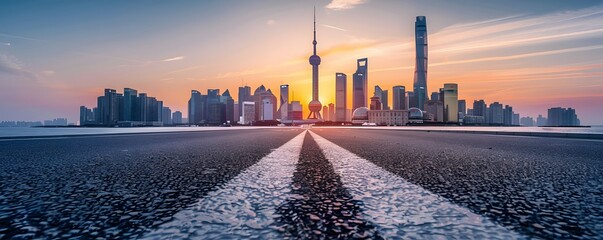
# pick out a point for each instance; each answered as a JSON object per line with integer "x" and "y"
{"x": 314, "y": 42}
{"x": 314, "y": 106}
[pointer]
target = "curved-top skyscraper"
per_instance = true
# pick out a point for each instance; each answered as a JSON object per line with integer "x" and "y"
{"x": 420, "y": 82}
{"x": 315, "y": 106}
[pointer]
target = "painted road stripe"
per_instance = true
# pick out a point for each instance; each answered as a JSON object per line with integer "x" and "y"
{"x": 399, "y": 208}
{"x": 243, "y": 207}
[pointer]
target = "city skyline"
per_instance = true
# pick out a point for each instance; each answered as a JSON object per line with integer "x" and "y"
{"x": 498, "y": 57}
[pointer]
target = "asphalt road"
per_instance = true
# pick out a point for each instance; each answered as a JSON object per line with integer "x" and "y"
{"x": 540, "y": 187}
{"x": 291, "y": 183}
{"x": 118, "y": 186}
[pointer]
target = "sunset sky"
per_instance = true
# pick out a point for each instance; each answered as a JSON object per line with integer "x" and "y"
{"x": 533, "y": 55}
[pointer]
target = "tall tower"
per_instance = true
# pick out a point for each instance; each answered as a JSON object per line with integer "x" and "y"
{"x": 315, "y": 106}
{"x": 340, "y": 97}
{"x": 420, "y": 81}
{"x": 284, "y": 103}
{"x": 360, "y": 84}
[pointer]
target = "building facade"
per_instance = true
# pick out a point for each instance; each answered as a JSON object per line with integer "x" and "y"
{"x": 360, "y": 84}
{"x": 558, "y": 116}
{"x": 420, "y": 78}
{"x": 341, "y": 105}
{"x": 450, "y": 95}
{"x": 248, "y": 113}
{"x": 388, "y": 117}
{"x": 284, "y": 102}
{"x": 399, "y": 98}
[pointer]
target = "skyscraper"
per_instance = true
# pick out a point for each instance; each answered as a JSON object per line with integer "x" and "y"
{"x": 127, "y": 109}
{"x": 229, "y": 104}
{"x": 341, "y": 87}
{"x": 177, "y": 117}
{"x": 360, "y": 84}
{"x": 195, "y": 108}
{"x": 86, "y": 116}
{"x": 325, "y": 113}
{"x": 331, "y": 112}
{"x": 314, "y": 106}
{"x": 383, "y": 98}
{"x": 562, "y": 117}
{"x": 244, "y": 95}
{"x": 166, "y": 117}
{"x": 284, "y": 102}
{"x": 479, "y": 108}
{"x": 462, "y": 107}
{"x": 109, "y": 107}
{"x": 495, "y": 114}
{"x": 451, "y": 105}
{"x": 267, "y": 106}
{"x": 129, "y": 103}
{"x": 399, "y": 98}
{"x": 248, "y": 113}
{"x": 541, "y": 121}
{"x": 420, "y": 80}
{"x": 508, "y": 115}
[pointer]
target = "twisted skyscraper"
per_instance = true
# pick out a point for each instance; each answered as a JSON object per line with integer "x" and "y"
{"x": 420, "y": 81}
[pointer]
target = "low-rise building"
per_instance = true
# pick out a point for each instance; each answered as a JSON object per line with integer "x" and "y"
{"x": 388, "y": 117}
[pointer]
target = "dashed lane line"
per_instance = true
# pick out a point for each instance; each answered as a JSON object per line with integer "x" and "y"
{"x": 244, "y": 207}
{"x": 400, "y": 209}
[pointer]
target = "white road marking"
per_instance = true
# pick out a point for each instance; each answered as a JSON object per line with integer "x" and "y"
{"x": 400, "y": 209}
{"x": 243, "y": 207}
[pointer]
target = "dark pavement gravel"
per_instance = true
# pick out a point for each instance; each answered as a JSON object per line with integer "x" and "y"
{"x": 541, "y": 187}
{"x": 321, "y": 208}
{"x": 117, "y": 186}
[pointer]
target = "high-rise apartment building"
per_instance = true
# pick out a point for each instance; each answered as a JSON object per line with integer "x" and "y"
{"x": 177, "y": 117}
{"x": 526, "y": 121}
{"x": 166, "y": 116}
{"x": 508, "y": 115}
{"x": 479, "y": 108}
{"x": 495, "y": 114}
{"x": 558, "y": 116}
{"x": 127, "y": 109}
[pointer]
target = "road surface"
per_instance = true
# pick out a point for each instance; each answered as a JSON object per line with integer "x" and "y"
{"x": 298, "y": 183}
